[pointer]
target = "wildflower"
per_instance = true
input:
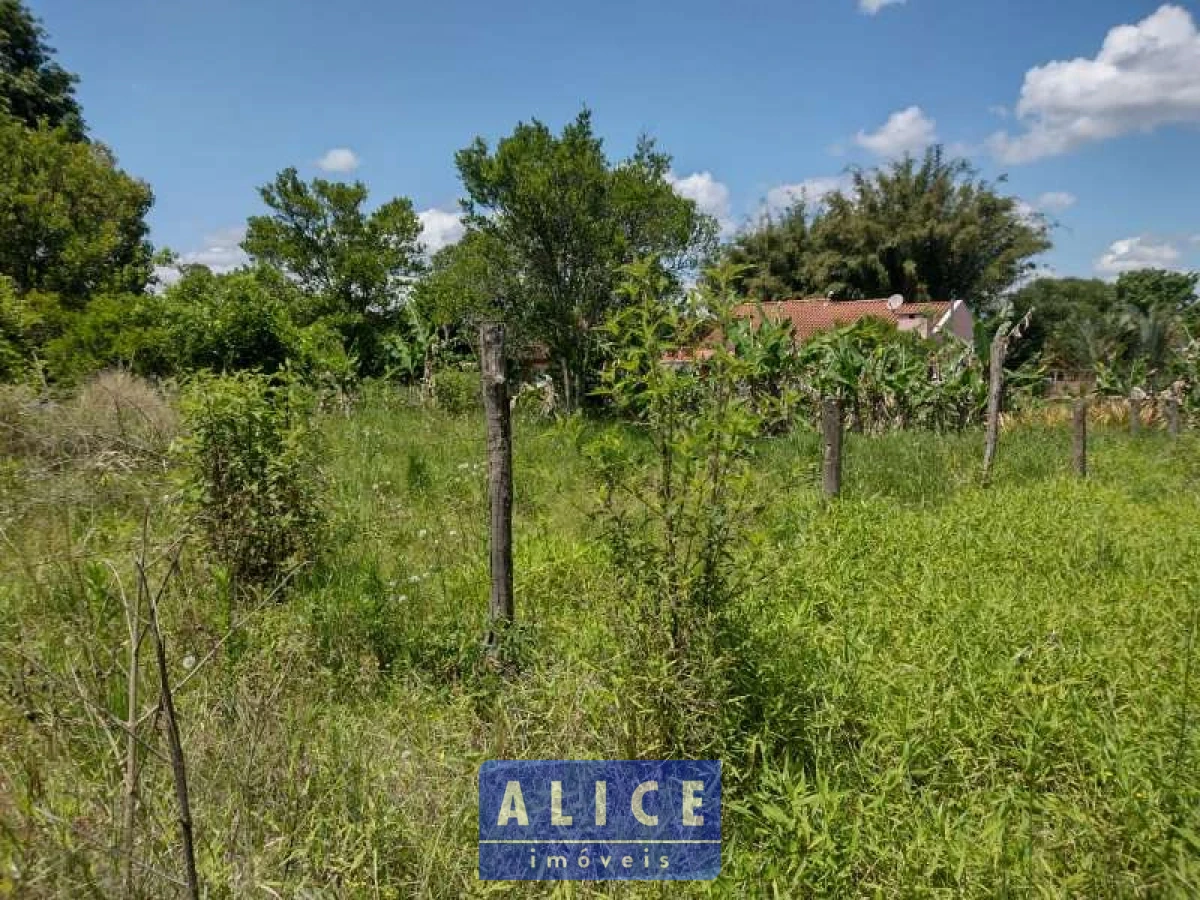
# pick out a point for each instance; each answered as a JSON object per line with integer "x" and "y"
{"x": 422, "y": 533}
{"x": 189, "y": 662}
{"x": 414, "y": 579}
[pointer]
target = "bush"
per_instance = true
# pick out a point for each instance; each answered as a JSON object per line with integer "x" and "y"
{"x": 116, "y": 420}
{"x": 457, "y": 390}
{"x": 253, "y": 472}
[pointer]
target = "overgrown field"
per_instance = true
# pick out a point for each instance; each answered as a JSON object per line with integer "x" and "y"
{"x": 936, "y": 689}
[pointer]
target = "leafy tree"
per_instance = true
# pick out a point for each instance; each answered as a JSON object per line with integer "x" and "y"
{"x": 775, "y": 255}
{"x": 1073, "y": 325}
{"x": 71, "y": 222}
{"x": 567, "y": 220}
{"x": 926, "y": 228}
{"x": 1147, "y": 289}
{"x": 33, "y": 88}
{"x": 356, "y": 266}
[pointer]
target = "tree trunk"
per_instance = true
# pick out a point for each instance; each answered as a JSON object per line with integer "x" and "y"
{"x": 831, "y": 431}
{"x": 499, "y": 446}
{"x": 1079, "y": 445}
{"x": 995, "y": 395}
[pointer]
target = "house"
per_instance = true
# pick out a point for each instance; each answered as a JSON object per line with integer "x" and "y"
{"x": 929, "y": 319}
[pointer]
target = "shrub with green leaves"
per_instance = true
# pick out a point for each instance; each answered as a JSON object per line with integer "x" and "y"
{"x": 457, "y": 390}
{"x": 675, "y": 516}
{"x": 253, "y": 474}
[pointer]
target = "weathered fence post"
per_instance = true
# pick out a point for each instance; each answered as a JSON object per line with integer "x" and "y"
{"x": 499, "y": 446}
{"x": 1173, "y": 416}
{"x": 1135, "y": 414}
{"x": 831, "y": 432}
{"x": 995, "y": 393}
{"x": 1079, "y": 445}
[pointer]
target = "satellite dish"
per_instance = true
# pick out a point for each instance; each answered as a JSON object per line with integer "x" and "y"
{"x": 895, "y": 301}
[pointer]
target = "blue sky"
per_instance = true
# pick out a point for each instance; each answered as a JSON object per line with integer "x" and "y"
{"x": 1091, "y": 107}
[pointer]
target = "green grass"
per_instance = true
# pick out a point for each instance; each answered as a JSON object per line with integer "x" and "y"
{"x": 939, "y": 690}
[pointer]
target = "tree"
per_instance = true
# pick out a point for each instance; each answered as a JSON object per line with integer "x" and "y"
{"x": 775, "y": 254}
{"x": 71, "y": 222}
{"x": 356, "y": 266}
{"x": 1073, "y": 326}
{"x": 568, "y": 220}
{"x": 1146, "y": 289}
{"x": 34, "y": 88}
{"x": 1153, "y": 308}
{"x": 926, "y": 228}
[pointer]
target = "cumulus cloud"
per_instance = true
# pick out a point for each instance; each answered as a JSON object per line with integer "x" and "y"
{"x": 221, "y": 253}
{"x": 906, "y": 131}
{"x": 871, "y": 7}
{"x": 1145, "y": 76}
{"x": 339, "y": 159}
{"x": 1142, "y": 252}
{"x": 440, "y": 228}
{"x": 710, "y": 195}
{"x": 1055, "y": 201}
{"x": 812, "y": 191}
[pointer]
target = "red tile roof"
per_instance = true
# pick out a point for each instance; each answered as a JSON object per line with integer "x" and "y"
{"x": 810, "y": 316}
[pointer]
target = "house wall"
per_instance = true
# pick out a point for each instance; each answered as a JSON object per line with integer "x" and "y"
{"x": 962, "y": 323}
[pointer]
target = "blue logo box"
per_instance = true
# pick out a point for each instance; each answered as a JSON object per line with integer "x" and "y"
{"x": 579, "y": 820}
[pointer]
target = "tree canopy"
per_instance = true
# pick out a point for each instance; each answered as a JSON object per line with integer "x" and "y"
{"x": 927, "y": 228}
{"x": 568, "y": 219}
{"x": 72, "y": 222}
{"x": 357, "y": 266}
{"x": 33, "y": 87}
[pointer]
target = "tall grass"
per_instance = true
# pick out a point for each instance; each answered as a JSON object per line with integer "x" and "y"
{"x": 942, "y": 690}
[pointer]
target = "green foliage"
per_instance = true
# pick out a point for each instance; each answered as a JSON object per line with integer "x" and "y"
{"x": 892, "y": 379}
{"x": 252, "y": 473}
{"x": 1073, "y": 325}
{"x": 777, "y": 256}
{"x": 937, "y": 691}
{"x": 675, "y": 523}
{"x": 925, "y": 228}
{"x": 34, "y": 88}
{"x": 354, "y": 264}
{"x": 457, "y": 390}
{"x": 560, "y": 220}
{"x": 1148, "y": 289}
{"x": 74, "y": 224}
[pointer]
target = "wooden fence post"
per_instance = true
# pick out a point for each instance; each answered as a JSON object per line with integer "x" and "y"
{"x": 831, "y": 431}
{"x": 995, "y": 393}
{"x": 1135, "y": 415}
{"x": 1173, "y": 416}
{"x": 499, "y": 446}
{"x": 1079, "y": 445}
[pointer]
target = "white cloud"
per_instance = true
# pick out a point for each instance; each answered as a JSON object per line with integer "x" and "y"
{"x": 1143, "y": 252}
{"x": 1055, "y": 201}
{"x": 870, "y": 7}
{"x": 339, "y": 159}
{"x": 1145, "y": 76}
{"x": 906, "y": 131}
{"x": 221, "y": 252}
{"x": 440, "y": 228}
{"x": 812, "y": 191}
{"x": 710, "y": 196}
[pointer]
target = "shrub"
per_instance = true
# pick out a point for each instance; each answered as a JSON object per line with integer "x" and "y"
{"x": 115, "y": 420}
{"x": 457, "y": 390}
{"x": 252, "y": 460}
